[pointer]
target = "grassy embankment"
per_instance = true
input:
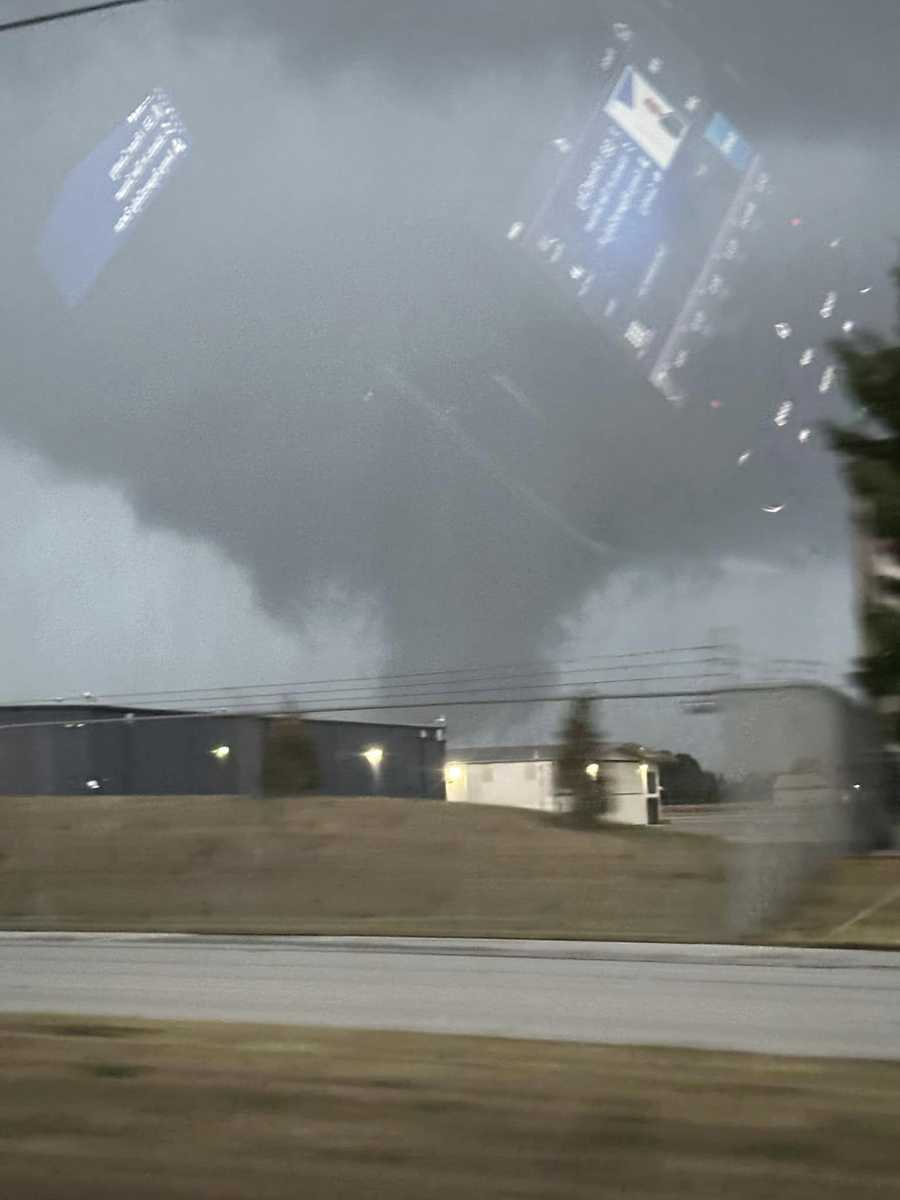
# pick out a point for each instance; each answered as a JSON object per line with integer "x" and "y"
{"x": 100, "y": 1111}
{"x": 855, "y": 903}
{"x": 370, "y": 866}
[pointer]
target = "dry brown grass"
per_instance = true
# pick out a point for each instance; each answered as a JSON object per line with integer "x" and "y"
{"x": 371, "y": 866}
{"x": 101, "y": 1111}
{"x": 855, "y": 903}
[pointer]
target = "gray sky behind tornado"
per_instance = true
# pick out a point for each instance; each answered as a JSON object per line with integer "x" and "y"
{"x": 270, "y": 443}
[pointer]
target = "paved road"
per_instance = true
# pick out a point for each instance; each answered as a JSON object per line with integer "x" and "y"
{"x": 785, "y": 1001}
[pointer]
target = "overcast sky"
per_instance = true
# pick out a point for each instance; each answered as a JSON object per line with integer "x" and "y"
{"x": 270, "y": 443}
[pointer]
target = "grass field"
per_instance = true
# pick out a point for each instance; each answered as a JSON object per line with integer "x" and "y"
{"x": 368, "y": 866}
{"x": 101, "y": 1111}
{"x": 855, "y": 903}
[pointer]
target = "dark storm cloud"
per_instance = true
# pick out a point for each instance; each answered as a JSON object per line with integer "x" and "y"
{"x": 239, "y": 369}
{"x": 811, "y": 66}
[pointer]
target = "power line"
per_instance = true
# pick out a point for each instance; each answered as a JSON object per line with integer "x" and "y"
{"x": 452, "y": 674}
{"x": 211, "y": 715}
{"x": 415, "y": 691}
{"x": 64, "y": 14}
{"x": 517, "y": 678}
{"x": 412, "y": 696}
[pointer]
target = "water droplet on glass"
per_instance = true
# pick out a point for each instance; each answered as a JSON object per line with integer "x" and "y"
{"x": 784, "y": 414}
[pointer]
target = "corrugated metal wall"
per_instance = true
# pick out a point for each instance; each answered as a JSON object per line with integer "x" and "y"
{"x": 74, "y": 750}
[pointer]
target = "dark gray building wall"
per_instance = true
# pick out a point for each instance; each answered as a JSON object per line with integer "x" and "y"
{"x": 413, "y": 763}
{"x": 27, "y": 761}
{"x": 60, "y": 750}
{"x": 43, "y": 751}
{"x": 174, "y": 757}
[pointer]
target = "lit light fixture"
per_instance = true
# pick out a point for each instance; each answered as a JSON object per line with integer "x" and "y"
{"x": 593, "y": 771}
{"x": 374, "y": 756}
{"x": 222, "y": 753}
{"x": 452, "y": 773}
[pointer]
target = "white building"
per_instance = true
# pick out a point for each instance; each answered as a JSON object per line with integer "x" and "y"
{"x": 525, "y": 777}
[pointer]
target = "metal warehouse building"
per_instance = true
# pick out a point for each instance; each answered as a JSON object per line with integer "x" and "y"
{"x": 67, "y": 750}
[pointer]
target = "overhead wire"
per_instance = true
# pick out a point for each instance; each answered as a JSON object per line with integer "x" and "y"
{"x": 512, "y": 679}
{"x": 714, "y": 654}
{"x": 128, "y": 718}
{"x": 412, "y": 697}
{"x": 65, "y": 14}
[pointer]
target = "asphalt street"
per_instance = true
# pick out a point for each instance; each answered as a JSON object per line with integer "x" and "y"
{"x": 814, "y": 1002}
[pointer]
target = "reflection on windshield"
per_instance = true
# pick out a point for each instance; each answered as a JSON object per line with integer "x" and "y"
{"x": 461, "y": 322}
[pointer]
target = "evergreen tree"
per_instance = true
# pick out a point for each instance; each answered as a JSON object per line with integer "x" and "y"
{"x": 290, "y": 762}
{"x": 580, "y": 764}
{"x": 870, "y": 449}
